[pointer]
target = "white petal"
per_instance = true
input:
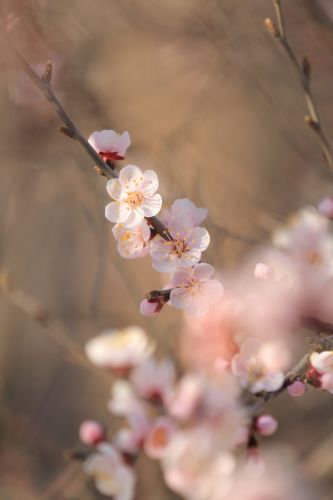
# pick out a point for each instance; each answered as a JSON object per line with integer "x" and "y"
{"x": 150, "y": 183}
{"x": 130, "y": 177}
{"x": 123, "y": 143}
{"x": 185, "y": 207}
{"x": 116, "y": 212}
{"x": 164, "y": 266}
{"x": 202, "y": 272}
{"x": 189, "y": 258}
{"x": 199, "y": 238}
{"x": 134, "y": 218}
{"x": 181, "y": 277}
{"x": 180, "y": 298}
{"x": 115, "y": 189}
{"x": 152, "y": 205}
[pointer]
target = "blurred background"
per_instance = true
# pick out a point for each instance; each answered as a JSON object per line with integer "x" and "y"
{"x": 213, "y": 105}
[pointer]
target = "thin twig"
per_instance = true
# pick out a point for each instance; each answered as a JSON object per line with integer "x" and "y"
{"x": 54, "y": 329}
{"x": 44, "y": 85}
{"x": 296, "y": 373}
{"x": 304, "y": 72}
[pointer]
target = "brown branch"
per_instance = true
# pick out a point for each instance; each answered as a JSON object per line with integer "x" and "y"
{"x": 304, "y": 72}
{"x": 54, "y": 329}
{"x": 44, "y": 85}
{"x": 296, "y": 373}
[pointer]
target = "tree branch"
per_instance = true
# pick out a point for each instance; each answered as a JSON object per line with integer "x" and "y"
{"x": 304, "y": 73}
{"x": 44, "y": 85}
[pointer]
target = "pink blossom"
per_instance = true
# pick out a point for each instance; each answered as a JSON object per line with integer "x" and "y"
{"x": 124, "y": 401}
{"x": 296, "y": 389}
{"x": 154, "y": 379}
{"x": 135, "y": 195}
{"x": 112, "y": 477}
{"x": 322, "y": 362}
{"x": 186, "y": 397}
{"x": 183, "y": 251}
{"x": 130, "y": 440}
{"x": 325, "y": 207}
{"x": 92, "y": 432}
{"x": 326, "y": 381}
{"x": 264, "y": 272}
{"x": 266, "y": 425}
{"x": 132, "y": 242}
{"x": 186, "y": 211}
{"x": 110, "y": 145}
{"x": 119, "y": 350}
{"x": 194, "y": 291}
{"x": 150, "y": 308}
{"x": 159, "y": 437}
{"x": 259, "y": 364}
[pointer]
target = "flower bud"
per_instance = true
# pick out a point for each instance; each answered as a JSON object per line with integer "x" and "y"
{"x": 296, "y": 389}
{"x": 149, "y": 309}
{"x": 266, "y": 425}
{"x": 92, "y": 432}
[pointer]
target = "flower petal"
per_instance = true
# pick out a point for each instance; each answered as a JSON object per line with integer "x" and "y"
{"x": 130, "y": 177}
{"x": 150, "y": 183}
{"x": 116, "y": 212}
{"x": 202, "y": 272}
{"x": 199, "y": 238}
{"x": 180, "y": 298}
{"x": 152, "y": 205}
{"x": 115, "y": 189}
{"x": 123, "y": 143}
{"x": 134, "y": 218}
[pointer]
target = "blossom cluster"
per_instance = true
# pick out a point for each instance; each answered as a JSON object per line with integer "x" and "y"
{"x": 196, "y": 423}
{"x": 177, "y": 251}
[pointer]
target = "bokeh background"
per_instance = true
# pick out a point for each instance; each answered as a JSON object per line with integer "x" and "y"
{"x": 213, "y": 105}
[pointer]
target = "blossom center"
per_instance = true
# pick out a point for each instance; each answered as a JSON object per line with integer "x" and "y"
{"x": 134, "y": 199}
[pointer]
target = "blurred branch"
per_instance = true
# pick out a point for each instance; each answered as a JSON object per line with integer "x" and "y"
{"x": 296, "y": 373}
{"x": 54, "y": 329}
{"x": 70, "y": 129}
{"x": 304, "y": 72}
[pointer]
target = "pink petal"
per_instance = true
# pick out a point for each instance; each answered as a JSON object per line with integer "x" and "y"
{"x": 181, "y": 277}
{"x": 123, "y": 143}
{"x": 212, "y": 289}
{"x": 202, "y": 272}
{"x": 199, "y": 238}
{"x": 180, "y": 298}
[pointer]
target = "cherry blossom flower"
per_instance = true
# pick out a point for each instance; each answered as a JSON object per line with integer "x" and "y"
{"x": 119, "y": 350}
{"x": 151, "y": 307}
{"x": 193, "y": 290}
{"x": 112, "y": 477}
{"x": 186, "y": 396}
{"x": 92, "y": 432}
{"x": 124, "y": 401}
{"x": 259, "y": 364}
{"x": 183, "y": 251}
{"x": 135, "y": 195}
{"x": 110, "y": 145}
{"x": 322, "y": 362}
{"x": 154, "y": 379}
{"x": 132, "y": 242}
{"x": 159, "y": 437}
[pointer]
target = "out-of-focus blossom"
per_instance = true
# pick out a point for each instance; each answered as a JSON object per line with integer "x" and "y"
{"x": 92, "y": 432}
{"x": 112, "y": 477}
{"x": 132, "y": 242}
{"x": 273, "y": 477}
{"x": 194, "y": 291}
{"x": 124, "y": 401}
{"x": 119, "y": 350}
{"x": 263, "y": 272}
{"x": 308, "y": 241}
{"x": 326, "y": 381}
{"x": 159, "y": 437}
{"x": 110, "y": 145}
{"x": 154, "y": 379}
{"x": 208, "y": 341}
{"x": 135, "y": 195}
{"x": 130, "y": 440}
{"x": 296, "y": 389}
{"x": 183, "y": 251}
{"x": 266, "y": 425}
{"x": 325, "y": 207}
{"x": 259, "y": 364}
{"x": 186, "y": 397}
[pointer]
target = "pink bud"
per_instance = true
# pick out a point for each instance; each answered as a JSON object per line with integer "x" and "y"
{"x": 296, "y": 389}
{"x": 266, "y": 425}
{"x": 92, "y": 432}
{"x": 325, "y": 207}
{"x": 150, "y": 309}
{"x": 263, "y": 272}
